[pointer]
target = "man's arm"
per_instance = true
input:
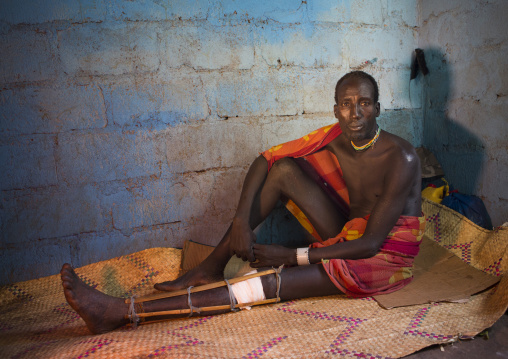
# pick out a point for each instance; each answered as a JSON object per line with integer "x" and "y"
{"x": 397, "y": 188}
{"x": 398, "y": 184}
{"x": 242, "y": 236}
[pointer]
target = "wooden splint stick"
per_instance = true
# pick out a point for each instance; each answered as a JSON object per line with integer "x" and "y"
{"x": 201, "y": 288}
{"x": 206, "y": 309}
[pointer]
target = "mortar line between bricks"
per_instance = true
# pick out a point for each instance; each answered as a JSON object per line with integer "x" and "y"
{"x": 135, "y": 229}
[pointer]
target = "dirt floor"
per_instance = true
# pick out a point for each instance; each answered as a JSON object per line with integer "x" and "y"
{"x": 496, "y": 346}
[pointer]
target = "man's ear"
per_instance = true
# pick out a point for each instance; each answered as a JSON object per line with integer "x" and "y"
{"x": 378, "y": 109}
{"x": 336, "y": 110}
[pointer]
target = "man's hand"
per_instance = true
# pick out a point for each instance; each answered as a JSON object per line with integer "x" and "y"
{"x": 273, "y": 255}
{"x": 242, "y": 240}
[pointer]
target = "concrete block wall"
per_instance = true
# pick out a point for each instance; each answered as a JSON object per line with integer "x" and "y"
{"x": 127, "y": 125}
{"x": 465, "y": 96}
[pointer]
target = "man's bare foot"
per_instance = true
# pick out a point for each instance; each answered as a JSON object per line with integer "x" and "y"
{"x": 195, "y": 277}
{"x": 102, "y": 313}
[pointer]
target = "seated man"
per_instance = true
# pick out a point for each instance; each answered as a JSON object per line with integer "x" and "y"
{"x": 346, "y": 181}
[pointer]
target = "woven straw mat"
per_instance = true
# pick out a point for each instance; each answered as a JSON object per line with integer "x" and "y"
{"x": 36, "y": 321}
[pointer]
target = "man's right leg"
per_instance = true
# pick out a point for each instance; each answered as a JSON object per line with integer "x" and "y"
{"x": 103, "y": 313}
{"x": 285, "y": 179}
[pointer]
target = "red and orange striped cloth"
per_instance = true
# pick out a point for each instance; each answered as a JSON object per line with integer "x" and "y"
{"x": 391, "y": 268}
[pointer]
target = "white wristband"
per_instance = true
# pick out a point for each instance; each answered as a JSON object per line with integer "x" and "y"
{"x": 302, "y": 256}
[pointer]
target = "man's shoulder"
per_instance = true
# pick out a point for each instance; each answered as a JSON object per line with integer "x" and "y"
{"x": 398, "y": 144}
{"x": 401, "y": 150}
{"x": 308, "y": 144}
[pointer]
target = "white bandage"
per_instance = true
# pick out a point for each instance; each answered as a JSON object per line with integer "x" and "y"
{"x": 248, "y": 291}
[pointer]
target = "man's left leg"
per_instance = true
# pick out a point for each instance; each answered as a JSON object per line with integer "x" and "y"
{"x": 286, "y": 179}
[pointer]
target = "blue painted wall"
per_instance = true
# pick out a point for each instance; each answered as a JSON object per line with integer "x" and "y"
{"x": 130, "y": 124}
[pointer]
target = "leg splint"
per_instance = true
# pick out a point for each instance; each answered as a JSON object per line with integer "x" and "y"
{"x": 233, "y": 306}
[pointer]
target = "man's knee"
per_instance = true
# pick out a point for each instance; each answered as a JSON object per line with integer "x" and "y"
{"x": 285, "y": 167}
{"x": 285, "y": 173}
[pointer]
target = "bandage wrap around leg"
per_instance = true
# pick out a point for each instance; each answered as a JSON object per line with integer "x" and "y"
{"x": 249, "y": 291}
{"x": 243, "y": 291}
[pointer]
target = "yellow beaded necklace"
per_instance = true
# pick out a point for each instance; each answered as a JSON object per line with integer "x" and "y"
{"x": 367, "y": 145}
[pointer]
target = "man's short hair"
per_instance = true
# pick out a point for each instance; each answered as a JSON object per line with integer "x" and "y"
{"x": 361, "y": 76}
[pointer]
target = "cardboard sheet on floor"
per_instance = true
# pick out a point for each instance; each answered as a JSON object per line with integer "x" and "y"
{"x": 439, "y": 276}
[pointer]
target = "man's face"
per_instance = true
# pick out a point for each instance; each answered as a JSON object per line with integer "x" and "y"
{"x": 356, "y": 110}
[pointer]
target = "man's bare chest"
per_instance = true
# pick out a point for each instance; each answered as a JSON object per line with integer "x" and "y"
{"x": 364, "y": 179}
{"x": 364, "y": 173}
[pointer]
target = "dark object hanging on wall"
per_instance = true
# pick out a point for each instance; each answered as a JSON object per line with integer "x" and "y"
{"x": 418, "y": 64}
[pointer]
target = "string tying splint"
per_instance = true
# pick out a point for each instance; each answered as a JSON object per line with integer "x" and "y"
{"x": 134, "y": 310}
{"x": 189, "y": 301}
